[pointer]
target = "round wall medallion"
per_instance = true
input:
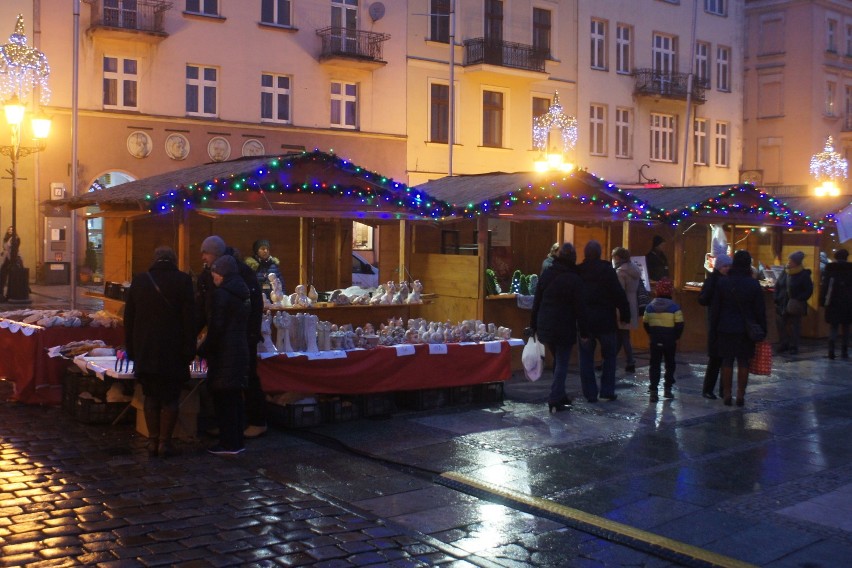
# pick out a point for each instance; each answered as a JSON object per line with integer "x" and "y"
{"x": 139, "y": 144}
{"x": 177, "y": 147}
{"x": 253, "y": 147}
{"x": 219, "y": 149}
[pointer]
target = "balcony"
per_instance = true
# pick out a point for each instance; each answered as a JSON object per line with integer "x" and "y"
{"x": 482, "y": 51}
{"x": 349, "y": 47}
{"x": 658, "y": 84}
{"x": 141, "y": 19}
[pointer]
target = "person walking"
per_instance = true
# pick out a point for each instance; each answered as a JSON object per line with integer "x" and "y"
{"x": 714, "y": 363}
{"x": 738, "y": 302}
{"x": 8, "y": 258}
{"x": 556, "y": 313}
{"x": 629, "y": 277}
{"x": 605, "y": 304}
{"x": 159, "y": 335}
{"x": 551, "y": 256}
{"x": 663, "y": 321}
{"x": 227, "y": 352}
{"x": 656, "y": 261}
{"x": 792, "y": 291}
{"x": 836, "y": 295}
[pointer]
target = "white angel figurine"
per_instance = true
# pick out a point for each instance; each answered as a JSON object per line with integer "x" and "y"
{"x": 390, "y": 291}
{"x": 414, "y": 296}
{"x": 266, "y": 345}
{"x": 277, "y": 292}
{"x": 282, "y": 335}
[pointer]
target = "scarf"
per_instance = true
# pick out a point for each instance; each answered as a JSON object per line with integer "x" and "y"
{"x": 794, "y": 270}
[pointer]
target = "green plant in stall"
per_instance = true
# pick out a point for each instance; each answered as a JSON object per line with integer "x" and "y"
{"x": 492, "y": 287}
{"x": 515, "y": 287}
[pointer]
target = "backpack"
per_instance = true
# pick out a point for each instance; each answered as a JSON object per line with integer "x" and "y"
{"x": 643, "y": 297}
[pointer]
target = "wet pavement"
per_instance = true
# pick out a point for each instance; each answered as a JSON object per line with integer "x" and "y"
{"x": 623, "y": 483}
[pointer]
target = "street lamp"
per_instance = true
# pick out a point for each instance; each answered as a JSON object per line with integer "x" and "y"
{"x": 22, "y": 69}
{"x": 828, "y": 167}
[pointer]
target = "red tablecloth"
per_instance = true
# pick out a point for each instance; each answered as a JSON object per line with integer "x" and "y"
{"x": 37, "y": 377}
{"x": 382, "y": 370}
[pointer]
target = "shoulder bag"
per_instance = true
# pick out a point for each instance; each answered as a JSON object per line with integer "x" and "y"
{"x": 794, "y": 307}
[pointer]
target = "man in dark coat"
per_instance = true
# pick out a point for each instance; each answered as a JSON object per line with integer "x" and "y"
{"x": 602, "y": 296}
{"x": 795, "y": 283}
{"x": 212, "y": 248}
{"x": 159, "y": 331}
{"x": 227, "y": 352}
{"x": 836, "y": 295}
{"x": 556, "y": 313}
{"x": 656, "y": 261}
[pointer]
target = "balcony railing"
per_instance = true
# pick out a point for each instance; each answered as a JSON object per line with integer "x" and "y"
{"x": 651, "y": 83}
{"x": 355, "y": 44}
{"x": 146, "y": 16}
{"x": 504, "y": 54}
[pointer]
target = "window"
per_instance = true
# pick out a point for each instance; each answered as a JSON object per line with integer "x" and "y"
{"x": 492, "y": 119}
{"x": 701, "y": 147}
{"x": 831, "y": 36}
{"x": 120, "y": 83}
{"x": 623, "y": 49}
{"x": 206, "y": 7}
{"x": 715, "y": 7}
{"x": 663, "y": 137}
{"x": 439, "y": 20}
{"x": 723, "y": 68}
{"x": 540, "y": 106}
{"x": 830, "y": 98}
{"x": 702, "y": 63}
{"x": 598, "y": 44}
{"x": 120, "y": 13}
{"x": 849, "y": 40}
{"x": 597, "y": 130}
{"x": 541, "y": 30}
{"x": 664, "y": 54}
{"x": 847, "y": 117}
{"x": 344, "y": 105}
{"x": 439, "y": 113}
{"x": 493, "y": 21}
{"x": 274, "y": 98}
{"x": 722, "y": 144}
{"x": 201, "y": 90}
{"x": 275, "y": 12}
{"x": 623, "y": 133}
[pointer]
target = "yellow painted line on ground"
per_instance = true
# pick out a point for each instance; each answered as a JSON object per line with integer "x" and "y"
{"x": 648, "y": 541}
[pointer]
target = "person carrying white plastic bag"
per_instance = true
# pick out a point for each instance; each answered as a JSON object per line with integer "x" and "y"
{"x": 533, "y": 359}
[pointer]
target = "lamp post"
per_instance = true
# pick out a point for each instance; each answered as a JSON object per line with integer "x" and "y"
{"x": 22, "y": 69}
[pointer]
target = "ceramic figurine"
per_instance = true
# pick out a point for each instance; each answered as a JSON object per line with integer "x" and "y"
{"x": 266, "y": 345}
{"x": 401, "y": 297}
{"x": 414, "y": 296}
{"x": 282, "y": 335}
{"x": 378, "y": 295}
{"x": 277, "y": 292}
{"x": 324, "y": 335}
{"x": 390, "y": 291}
{"x": 310, "y": 331}
{"x": 312, "y": 294}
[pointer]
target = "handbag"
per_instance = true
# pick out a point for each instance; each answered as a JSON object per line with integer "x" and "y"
{"x": 795, "y": 307}
{"x": 761, "y": 363}
{"x": 533, "y": 359}
{"x": 643, "y": 297}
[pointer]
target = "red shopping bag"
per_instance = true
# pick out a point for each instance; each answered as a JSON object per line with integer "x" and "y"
{"x": 761, "y": 363}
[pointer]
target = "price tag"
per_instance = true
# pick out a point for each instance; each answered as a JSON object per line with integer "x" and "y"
{"x": 404, "y": 349}
{"x": 437, "y": 349}
{"x": 493, "y": 346}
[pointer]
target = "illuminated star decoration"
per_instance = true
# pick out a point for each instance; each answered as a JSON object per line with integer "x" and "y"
{"x": 828, "y": 164}
{"x": 555, "y": 118}
{"x": 22, "y": 67}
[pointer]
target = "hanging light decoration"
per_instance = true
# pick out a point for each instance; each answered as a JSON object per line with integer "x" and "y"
{"x": 542, "y": 125}
{"x": 828, "y": 167}
{"x": 22, "y": 67}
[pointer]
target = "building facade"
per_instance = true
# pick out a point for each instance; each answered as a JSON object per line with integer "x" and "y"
{"x": 798, "y": 79}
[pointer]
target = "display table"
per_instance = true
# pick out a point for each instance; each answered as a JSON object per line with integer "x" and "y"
{"x": 388, "y": 369}
{"x": 38, "y": 377}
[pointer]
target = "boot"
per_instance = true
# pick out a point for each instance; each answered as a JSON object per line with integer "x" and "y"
{"x": 151, "y": 409}
{"x": 168, "y": 421}
{"x": 742, "y": 382}
{"x": 830, "y": 349}
{"x": 727, "y": 378}
{"x": 667, "y": 391}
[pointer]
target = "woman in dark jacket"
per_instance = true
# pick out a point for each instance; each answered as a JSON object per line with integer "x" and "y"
{"x": 263, "y": 265}
{"x": 227, "y": 352}
{"x": 795, "y": 283}
{"x": 159, "y": 332}
{"x": 737, "y": 302}
{"x": 836, "y": 295}
{"x": 705, "y": 298}
{"x": 557, "y": 309}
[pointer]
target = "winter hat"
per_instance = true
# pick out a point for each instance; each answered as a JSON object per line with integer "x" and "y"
{"x": 664, "y": 287}
{"x": 841, "y": 254}
{"x": 797, "y": 257}
{"x": 259, "y": 243}
{"x": 723, "y": 260}
{"x": 657, "y": 241}
{"x": 165, "y": 253}
{"x": 742, "y": 259}
{"x": 224, "y": 265}
{"x": 213, "y": 245}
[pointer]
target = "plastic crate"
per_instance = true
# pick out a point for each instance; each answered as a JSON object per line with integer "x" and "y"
{"x": 339, "y": 409}
{"x": 488, "y": 393}
{"x": 75, "y": 382}
{"x": 375, "y": 405}
{"x": 293, "y": 415}
{"x": 87, "y": 411}
{"x": 423, "y": 399}
{"x": 460, "y": 396}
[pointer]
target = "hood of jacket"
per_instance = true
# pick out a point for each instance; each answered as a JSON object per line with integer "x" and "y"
{"x": 233, "y": 284}
{"x": 630, "y": 270}
{"x": 661, "y": 304}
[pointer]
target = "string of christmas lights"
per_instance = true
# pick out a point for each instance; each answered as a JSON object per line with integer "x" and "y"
{"x": 22, "y": 67}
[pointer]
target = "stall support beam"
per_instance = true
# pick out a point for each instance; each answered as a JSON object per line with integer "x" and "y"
{"x": 304, "y": 248}
{"x": 625, "y": 235}
{"x": 679, "y": 261}
{"x": 183, "y": 252}
{"x": 482, "y": 252}
{"x": 404, "y": 252}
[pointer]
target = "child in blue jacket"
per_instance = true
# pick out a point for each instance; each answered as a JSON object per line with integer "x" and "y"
{"x": 663, "y": 321}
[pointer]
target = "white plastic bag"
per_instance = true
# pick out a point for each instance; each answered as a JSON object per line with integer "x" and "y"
{"x": 533, "y": 359}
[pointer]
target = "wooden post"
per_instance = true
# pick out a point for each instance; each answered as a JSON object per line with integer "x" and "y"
{"x": 183, "y": 251}
{"x": 304, "y": 250}
{"x": 482, "y": 252}
{"x": 404, "y": 252}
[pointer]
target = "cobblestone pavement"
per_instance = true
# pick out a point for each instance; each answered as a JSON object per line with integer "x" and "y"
{"x": 769, "y": 484}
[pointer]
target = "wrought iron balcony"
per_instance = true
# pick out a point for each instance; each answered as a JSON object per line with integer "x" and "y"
{"x": 480, "y": 50}
{"x": 651, "y": 83}
{"x": 357, "y": 45}
{"x": 145, "y": 16}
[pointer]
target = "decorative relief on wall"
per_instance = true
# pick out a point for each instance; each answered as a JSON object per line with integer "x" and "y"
{"x": 139, "y": 144}
{"x": 177, "y": 147}
{"x": 219, "y": 149}
{"x": 253, "y": 147}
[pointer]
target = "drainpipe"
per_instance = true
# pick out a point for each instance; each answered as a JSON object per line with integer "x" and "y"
{"x": 689, "y": 81}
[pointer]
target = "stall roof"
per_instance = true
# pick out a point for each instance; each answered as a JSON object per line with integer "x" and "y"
{"x": 271, "y": 185}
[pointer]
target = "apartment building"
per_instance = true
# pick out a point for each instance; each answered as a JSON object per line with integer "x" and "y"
{"x": 798, "y": 84}
{"x": 165, "y": 85}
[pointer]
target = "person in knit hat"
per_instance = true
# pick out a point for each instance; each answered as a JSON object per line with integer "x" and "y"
{"x": 656, "y": 261}
{"x": 835, "y": 294}
{"x": 663, "y": 320}
{"x": 721, "y": 265}
{"x": 792, "y": 291}
{"x": 264, "y": 264}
